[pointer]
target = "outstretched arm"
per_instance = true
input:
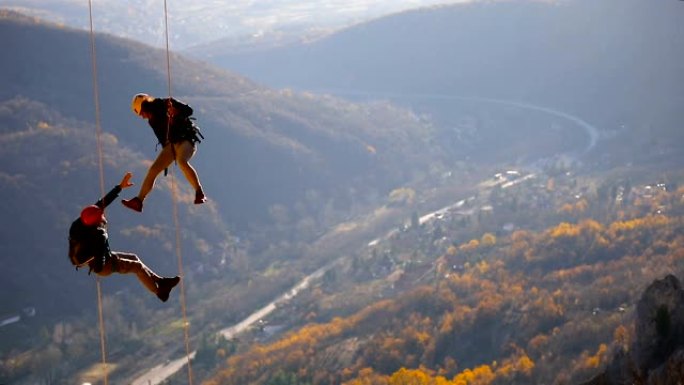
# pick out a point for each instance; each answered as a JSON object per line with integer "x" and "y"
{"x": 126, "y": 181}
{"x": 113, "y": 193}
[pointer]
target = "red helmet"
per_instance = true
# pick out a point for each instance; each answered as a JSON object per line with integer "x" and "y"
{"x": 92, "y": 215}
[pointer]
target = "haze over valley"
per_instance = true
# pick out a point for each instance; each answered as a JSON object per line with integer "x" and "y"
{"x": 463, "y": 193}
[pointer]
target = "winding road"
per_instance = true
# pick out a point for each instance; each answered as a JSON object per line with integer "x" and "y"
{"x": 591, "y": 130}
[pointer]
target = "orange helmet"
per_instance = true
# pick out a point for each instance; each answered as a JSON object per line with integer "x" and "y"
{"x": 138, "y": 99}
{"x": 92, "y": 215}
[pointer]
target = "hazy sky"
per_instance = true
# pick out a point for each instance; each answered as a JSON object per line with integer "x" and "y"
{"x": 194, "y": 22}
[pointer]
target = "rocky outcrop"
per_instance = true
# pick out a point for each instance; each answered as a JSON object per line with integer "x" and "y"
{"x": 657, "y": 355}
{"x": 659, "y": 324}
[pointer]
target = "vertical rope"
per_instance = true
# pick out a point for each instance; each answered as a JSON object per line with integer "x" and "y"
{"x": 98, "y": 129}
{"x": 186, "y": 324}
{"x": 103, "y": 349}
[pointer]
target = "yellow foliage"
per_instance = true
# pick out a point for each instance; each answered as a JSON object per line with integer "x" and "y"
{"x": 409, "y": 377}
{"x": 368, "y": 377}
{"x": 470, "y": 246}
{"x": 491, "y": 303}
{"x": 620, "y": 227}
{"x": 581, "y": 205}
{"x": 524, "y": 365}
{"x": 566, "y": 230}
{"x": 403, "y": 195}
{"x": 594, "y": 361}
{"x": 567, "y": 208}
{"x": 621, "y": 336}
{"x": 590, "y": 225}
{"x": 578, "y": 207}
{"x": 538, "y": 342}
{"x": 221, "y": 353}
{"x": 481, "y": 375}
{"x": 515, "y": 290}
{"x": 488, "y": 239}
{"x": 411, "y": 336}
{"x": 483, "y": 267}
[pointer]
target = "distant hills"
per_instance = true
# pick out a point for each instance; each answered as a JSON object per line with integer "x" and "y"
{"x": 196, "y": 22}
{"x": 614, "y": 63}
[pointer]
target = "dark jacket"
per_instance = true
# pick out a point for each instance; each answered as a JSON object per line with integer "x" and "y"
{"x": 181, "y": 125}
{"x": 86, "y": 242}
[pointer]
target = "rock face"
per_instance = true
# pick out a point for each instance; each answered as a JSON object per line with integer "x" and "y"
{"x": 659, "y": 323}
{"x": 657, "y": 355}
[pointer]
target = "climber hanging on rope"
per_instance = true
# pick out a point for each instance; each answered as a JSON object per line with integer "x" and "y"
{"x": 173, "y": 126}
{"x": 89, "y": 245}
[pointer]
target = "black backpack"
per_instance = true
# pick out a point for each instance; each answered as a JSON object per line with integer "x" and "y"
{"x": 193, "y": 132}
{"x": 185, "y": 129}
{"x": 86, "y": 243}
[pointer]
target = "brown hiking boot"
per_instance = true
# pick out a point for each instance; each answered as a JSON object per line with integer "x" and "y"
{"x": 200, "y": 197}
{"x": 164, "y": 287}
{"x": 134, "y": 204}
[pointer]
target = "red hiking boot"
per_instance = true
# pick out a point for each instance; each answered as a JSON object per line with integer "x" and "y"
{"x": 200, "y": 197}
{"x": 134, "y": 204}
{"x": 164, "y": 287}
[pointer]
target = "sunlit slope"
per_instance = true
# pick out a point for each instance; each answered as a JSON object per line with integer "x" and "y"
{"x": 530, "y": 306}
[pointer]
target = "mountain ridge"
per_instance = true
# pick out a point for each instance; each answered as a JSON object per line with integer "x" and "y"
{"x": 591, "y": 59}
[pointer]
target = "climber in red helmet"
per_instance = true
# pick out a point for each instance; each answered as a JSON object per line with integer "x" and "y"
{"x": 89, "y": 245}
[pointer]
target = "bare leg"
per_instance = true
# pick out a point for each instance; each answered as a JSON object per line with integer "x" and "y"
{"x": 184, "y": 151}
{"x": 163, "y": 161}
{"x": 128, "y": 263}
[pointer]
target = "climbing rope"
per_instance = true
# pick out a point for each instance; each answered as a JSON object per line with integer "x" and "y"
{"x": 174, "y": 187}
{"x": 98, "y": 129}
{"x": 186, "y": 324}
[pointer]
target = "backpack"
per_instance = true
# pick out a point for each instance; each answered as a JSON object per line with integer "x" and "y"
{"x": 87, "y": 243}
{"x": 77, "y": 256}
{"x": 193, "y": 132}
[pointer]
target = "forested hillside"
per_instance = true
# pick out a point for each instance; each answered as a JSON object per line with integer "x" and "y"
{"x": 265, "y": 153}
{"x": 461, "y": 301}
